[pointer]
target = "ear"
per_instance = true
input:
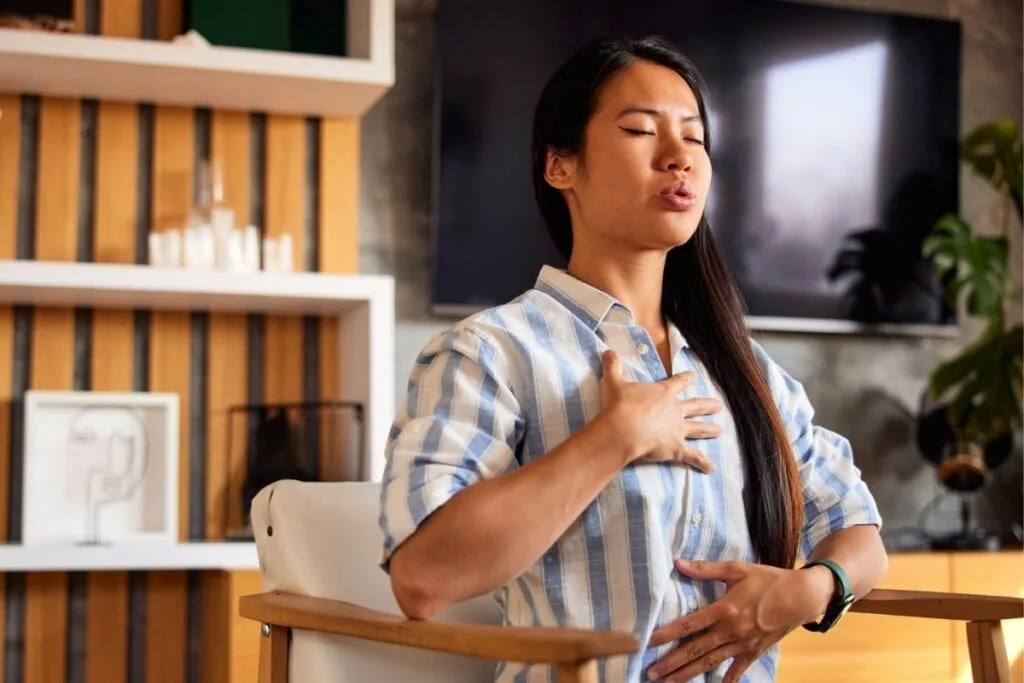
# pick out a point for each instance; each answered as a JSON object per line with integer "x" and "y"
{"x": 559, "y": 170}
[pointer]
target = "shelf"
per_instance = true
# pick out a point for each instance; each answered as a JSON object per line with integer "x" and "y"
{"x": 124, "y": 557}
{"x": 161, "y": 72}
{"x": 103, "y": 285}
{"x": 363, "y": 304}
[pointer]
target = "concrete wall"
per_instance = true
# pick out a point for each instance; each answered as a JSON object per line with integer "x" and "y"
{"x": 861, "y": 387}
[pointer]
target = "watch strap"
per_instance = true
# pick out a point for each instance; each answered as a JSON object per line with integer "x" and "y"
{"x": 841, "y": 600}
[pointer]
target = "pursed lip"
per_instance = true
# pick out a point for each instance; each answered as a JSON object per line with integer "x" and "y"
{"x": 679, "y": 188}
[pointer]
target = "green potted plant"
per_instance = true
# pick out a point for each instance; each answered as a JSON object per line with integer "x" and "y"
{"x": 980, "y": 386}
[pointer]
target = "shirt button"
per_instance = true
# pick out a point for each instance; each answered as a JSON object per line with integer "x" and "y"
{"x": 693, "y": 604}
{"x": 643, "y": 349}
{"x": 697, "y": 517}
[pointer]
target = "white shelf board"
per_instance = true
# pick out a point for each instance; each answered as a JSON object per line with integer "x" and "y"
{"x": 102, "y": 285}
{"x": 363, "y": 304}
{"x": 136, "y": 70}
{"x": 129, "y": 556}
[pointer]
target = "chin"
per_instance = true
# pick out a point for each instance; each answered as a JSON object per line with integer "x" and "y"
{"x": 674, "y": 233}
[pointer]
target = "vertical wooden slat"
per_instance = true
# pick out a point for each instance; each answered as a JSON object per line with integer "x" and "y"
{"x": 167, "y": 616}
{"x": 57, "y": 180}
{"x": 52, "y": 357}
{"x": 169, "y": 18}
{"x": 285, "y": 172}
{"x": 79, "y": 15}
{"x": 46, "y": 615}
{"x": 10, "y": 152}
{"x": 339, "y": 196}
{"x": 170, "y": 333}
{"x": 106, "y": 653}
{"x": 338, "y": 253}
{"x": 169, "y": 370}
{"x": 228, "y": 340}
{"x": 114, "y": 241}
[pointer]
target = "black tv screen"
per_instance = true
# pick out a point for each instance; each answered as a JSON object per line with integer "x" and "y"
{"x": 835, "y": 138}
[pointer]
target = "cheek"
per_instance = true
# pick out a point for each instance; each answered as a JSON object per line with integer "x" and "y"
{"x": 704, "y": 174}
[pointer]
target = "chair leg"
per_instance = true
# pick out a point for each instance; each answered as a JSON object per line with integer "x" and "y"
{"x": 988, "y": 652}
{"x": 580, "y": 672}
{"x": 273, "y": 654}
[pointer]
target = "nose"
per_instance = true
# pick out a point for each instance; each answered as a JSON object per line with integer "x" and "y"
{"x": 676, "y": 157}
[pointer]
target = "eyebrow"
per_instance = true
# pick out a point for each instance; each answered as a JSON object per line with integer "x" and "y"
{"x": 654, "y": 112}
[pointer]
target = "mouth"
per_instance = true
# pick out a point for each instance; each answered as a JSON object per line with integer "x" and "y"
{"x": 678, "y": 196}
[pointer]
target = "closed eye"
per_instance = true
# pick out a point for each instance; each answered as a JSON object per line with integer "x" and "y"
{"x": 635, "y": 131}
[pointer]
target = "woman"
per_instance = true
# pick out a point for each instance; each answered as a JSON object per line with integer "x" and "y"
{"x": 610, "y": 450}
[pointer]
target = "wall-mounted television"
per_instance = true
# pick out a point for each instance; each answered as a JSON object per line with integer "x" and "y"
{"x": 835, "y": 150}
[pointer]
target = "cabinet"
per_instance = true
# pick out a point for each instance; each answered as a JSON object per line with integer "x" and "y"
{"x": 870, "y": 648}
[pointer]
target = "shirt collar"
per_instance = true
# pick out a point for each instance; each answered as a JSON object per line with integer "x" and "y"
{"x": 588, "y": 303}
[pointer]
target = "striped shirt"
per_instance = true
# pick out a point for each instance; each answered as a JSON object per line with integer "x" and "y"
{"x": 507, "y": 385}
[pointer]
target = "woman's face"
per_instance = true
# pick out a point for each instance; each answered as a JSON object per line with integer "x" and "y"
{"x": 644, "y": 178}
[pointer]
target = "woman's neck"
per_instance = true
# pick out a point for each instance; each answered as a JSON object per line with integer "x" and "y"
{"x": 635, "y": 280}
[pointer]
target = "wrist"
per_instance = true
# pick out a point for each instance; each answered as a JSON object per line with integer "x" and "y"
{"x": 819, "y": 585}
{"x": 614, "y": 438}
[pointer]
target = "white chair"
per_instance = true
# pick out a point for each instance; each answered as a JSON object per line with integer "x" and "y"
{"x": 328, "y": 614}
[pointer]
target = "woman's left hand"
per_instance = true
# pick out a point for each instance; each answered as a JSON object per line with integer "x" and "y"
{"x": 761, "y": 605}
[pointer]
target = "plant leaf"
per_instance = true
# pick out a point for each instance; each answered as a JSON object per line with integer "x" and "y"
{"x": 984, "y": 382}
{"x": 993, "y": 150}
{"x": 974, "y": 266}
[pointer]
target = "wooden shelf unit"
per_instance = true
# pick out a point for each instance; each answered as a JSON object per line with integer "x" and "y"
{"x": 162, "y": 72}
{"x": 363, "y": 305}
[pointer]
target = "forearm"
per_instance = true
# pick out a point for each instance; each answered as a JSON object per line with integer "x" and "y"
{"x": 491, "y": 531}
{"x": 859, "y": 551}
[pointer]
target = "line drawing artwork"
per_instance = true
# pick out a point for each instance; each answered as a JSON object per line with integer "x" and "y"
{"x": 107, "y": 459}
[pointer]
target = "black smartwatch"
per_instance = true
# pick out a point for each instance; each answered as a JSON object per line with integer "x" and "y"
{"x": 841, "y": 600}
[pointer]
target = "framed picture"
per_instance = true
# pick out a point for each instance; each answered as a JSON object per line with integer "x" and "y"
{"x": 100, "y": 467}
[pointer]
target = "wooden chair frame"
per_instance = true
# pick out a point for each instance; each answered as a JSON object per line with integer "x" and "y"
{"x": 575, "y": 652}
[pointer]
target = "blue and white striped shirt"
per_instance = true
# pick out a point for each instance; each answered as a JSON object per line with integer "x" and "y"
{"x": 509, "y": 384}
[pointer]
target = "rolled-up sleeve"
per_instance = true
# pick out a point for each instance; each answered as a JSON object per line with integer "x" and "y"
{"x": 835, "y": 496}
{"x": 459, "y": 423}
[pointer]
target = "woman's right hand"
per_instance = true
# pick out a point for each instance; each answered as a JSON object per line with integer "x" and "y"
{"x": 653, "y": 420}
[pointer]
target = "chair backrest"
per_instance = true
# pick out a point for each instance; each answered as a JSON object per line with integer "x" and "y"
{"x": 323, "y": 540}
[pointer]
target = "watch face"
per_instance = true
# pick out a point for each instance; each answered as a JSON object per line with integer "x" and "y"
{"x": 846, "y": 604}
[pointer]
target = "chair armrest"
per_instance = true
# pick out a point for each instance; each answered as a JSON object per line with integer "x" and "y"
{"x": 516, "y": 644}
{"x": 938, "y": 605}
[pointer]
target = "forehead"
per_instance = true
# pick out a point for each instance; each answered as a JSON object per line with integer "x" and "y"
{"x": 649, "y": 86}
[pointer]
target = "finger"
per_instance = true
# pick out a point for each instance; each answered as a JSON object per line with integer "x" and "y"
{"x": 689, "y": 455}
{"x": 680, "y": 380}
{"x": 701, "y": 430}
{"x": 728, "y": 572}
{"x": 612, "y": 366}
{"x": 692, "y": 407}
{"x": 680, "y": 628}
{"x": 705, "y": 663}
{"x": 687, "y": 654}
{"x": 738, "y": 667}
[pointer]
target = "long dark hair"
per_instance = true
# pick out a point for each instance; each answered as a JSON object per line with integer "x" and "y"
{"x": 699, "y": 294}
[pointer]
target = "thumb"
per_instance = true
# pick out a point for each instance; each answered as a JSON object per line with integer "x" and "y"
{"x": 612, "y": 367}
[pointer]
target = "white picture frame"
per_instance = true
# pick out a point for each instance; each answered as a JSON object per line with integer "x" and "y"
{"x": 100, "y": 468}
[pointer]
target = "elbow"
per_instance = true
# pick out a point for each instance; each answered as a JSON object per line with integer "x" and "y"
{"x": 883, "y": 560}
{"x": 412, "y": 592}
